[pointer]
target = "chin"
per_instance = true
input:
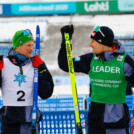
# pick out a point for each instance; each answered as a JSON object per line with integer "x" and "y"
{"x": 29, "y": 56}
{"x": 94, "y": 53}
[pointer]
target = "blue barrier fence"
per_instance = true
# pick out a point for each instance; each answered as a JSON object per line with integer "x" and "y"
{"x": 60, "y": 104}
{"x": 123, "y": 37}
{"x": 59, "y": 122}
{"x": 59, "y": 117}
{"x": 128, "y": 43}
{"x": 62, "y": 109}
{"x": 129, "y": 102}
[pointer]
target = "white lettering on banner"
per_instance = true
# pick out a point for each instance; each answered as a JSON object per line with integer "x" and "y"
{"x": 36, "y": 8}
{"x": 61, "y": 7}
{"x": 1, "y": 9}
{"x": 97, "y": 6}
{"x": 106, "y": 69}
{"x": 44, "y": 8}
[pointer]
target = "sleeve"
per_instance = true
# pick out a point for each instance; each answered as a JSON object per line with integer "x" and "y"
{"x": 81, "y": 63}
{"x": 0, "y": 78}
{"x": 129, "y": 69}
{"x": 46, "y": 84}
{"x": 1, "y": 67}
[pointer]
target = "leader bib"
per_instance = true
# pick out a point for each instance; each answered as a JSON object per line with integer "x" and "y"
{"x": 108, "y": 80}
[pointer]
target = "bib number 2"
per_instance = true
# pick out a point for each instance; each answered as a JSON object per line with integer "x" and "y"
{"x": 21, "y": 95}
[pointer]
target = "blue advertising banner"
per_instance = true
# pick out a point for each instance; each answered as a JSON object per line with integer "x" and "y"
{"x": 1, "y": 9}
{"x": 43, "y": 8}
{"x": 5, "y": 9}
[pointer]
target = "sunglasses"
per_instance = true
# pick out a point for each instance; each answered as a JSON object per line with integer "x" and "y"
{"x": 97, "y": 29}
{"x": 26, "y": 32}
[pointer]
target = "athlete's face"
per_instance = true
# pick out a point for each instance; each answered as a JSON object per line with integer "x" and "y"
{"x": 99, "y": 48}
{"x": 26, "y": 49}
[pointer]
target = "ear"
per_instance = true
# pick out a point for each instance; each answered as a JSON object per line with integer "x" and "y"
{"x": 18, "y": 49}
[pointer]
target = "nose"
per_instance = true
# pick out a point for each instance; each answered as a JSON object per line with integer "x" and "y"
{"x": 90, "y": 44}
{"x": 31, "y": 48}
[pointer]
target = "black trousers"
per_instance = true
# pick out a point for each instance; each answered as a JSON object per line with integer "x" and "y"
{"x": 24, "y": 128}
{"x": 10, "y": 129}
{"x": 96, "y": 123}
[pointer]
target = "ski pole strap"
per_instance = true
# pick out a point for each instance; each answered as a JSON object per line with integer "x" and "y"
{"x": 73, "y": 84}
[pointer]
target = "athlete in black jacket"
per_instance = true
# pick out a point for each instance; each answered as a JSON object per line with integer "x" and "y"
{"x": 106, "y": 116}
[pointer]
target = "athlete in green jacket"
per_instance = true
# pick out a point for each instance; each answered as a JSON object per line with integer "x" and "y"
{"x": 109, "y": 69}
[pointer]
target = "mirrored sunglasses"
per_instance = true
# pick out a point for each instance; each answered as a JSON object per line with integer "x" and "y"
{"x": 26, "y": 32}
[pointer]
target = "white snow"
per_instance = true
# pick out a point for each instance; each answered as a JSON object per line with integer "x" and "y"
{"x": 120, "y": 24}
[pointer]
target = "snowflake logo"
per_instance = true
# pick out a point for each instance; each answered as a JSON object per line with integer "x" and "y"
{"x": 19, "y": 78}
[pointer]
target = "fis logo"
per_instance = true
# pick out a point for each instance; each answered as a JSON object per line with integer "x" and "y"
{"x": 37, "y": 35}
{"x": 35, "y": 75}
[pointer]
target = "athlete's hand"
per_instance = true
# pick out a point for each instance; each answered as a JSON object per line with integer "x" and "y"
{"x": 1, "y": 62}
{"x": 67, "y": 29}
{"x": 36, "y": 61}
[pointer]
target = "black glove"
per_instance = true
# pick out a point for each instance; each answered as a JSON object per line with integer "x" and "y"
{"x": 67, "y": 29}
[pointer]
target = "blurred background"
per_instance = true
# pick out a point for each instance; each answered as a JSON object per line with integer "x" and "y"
{"x": 51, "y": 15}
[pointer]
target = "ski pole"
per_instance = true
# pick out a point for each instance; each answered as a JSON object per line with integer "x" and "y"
{"x": 73, "y": 83}
{"x": 35, "y": 90}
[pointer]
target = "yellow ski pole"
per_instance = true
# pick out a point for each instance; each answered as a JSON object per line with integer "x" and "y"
{"x": 73, "y": 84}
